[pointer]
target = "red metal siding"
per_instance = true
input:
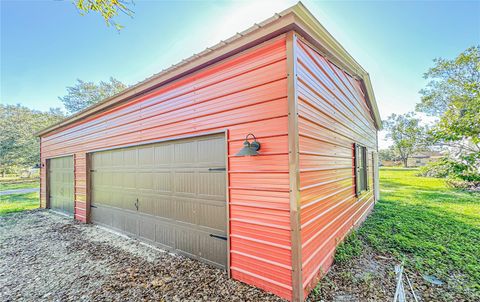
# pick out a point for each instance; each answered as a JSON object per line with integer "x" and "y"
{"x": 332, "y": 116}
{"x": 80, "y": 167}
{"x": 245, "y": 93}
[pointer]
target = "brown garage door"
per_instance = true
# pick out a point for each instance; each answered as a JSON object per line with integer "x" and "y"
{"x": 61, "y": 186}
{"x": 172, "y": 194}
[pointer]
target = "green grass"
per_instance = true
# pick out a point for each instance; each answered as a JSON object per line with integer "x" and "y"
{"x": 18, "y": 202}
{"x": 18, "y": 183}
{"x": 434, "y": 229}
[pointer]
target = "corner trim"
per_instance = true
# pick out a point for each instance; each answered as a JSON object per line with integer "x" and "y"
{"x": 294, "y": 167}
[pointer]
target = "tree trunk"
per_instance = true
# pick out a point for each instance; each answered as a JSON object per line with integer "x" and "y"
{"x": 405, "y": 162}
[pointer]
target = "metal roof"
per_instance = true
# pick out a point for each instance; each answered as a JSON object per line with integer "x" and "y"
{"x": 297, "y": 18}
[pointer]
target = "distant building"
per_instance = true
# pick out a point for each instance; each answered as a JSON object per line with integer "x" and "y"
{"x": 390, "y": 163}
{"x": 422, "y": 158}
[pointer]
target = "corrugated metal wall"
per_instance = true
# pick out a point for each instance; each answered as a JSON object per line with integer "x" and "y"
{"x": 80, "y": 186}
{"x": 246, "y": 93}
{"x": 333, "y": 115}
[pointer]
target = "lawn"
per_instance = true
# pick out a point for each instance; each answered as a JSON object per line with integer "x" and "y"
{"x": 18, "y": 202}
{"x": 18, "y": 183}
{"x": 433, "y": 229}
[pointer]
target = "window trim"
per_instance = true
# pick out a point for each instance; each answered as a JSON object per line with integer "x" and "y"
{"x": 360, "y": 189}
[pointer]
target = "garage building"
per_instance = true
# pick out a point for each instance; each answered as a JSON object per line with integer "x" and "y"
{"x": 164, "y": 160}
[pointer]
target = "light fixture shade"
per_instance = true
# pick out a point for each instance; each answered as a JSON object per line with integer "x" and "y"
{"x": 249, "y": 149}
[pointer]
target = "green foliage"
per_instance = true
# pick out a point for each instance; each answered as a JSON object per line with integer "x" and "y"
{"x": 451, "y": 81}
{"x": 436, "y": 230}
{"x": 85, "y": 94}
{"x": 387, "y": 154}
{"x": 348, "y": 249}
{"x": 108, "y": 9}
{"x": 407, "y": 135}
{"x": 451, "y": 168}
{"x": 19, "y": 147}
{"x": 453, "y": 95}
{"x": 9, "y": 170}
{"x": 437, "y": 169}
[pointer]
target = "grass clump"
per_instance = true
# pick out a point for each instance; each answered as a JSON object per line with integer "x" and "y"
{"x": 348, "y": 249}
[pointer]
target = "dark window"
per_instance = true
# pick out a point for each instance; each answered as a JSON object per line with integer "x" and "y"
{"x": 361, "y": 169}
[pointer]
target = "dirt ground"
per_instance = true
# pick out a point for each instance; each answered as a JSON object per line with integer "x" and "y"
{"x": 48, "y": 257}
{"x": 371, "y": 277}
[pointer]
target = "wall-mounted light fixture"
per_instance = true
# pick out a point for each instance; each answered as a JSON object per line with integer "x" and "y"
{"x": 249, "y": 148}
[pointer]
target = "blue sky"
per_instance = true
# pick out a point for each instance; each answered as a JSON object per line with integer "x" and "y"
{"x": 46, "y": 45}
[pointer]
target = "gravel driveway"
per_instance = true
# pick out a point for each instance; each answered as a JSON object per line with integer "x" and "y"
{"x": 48, "y": 257}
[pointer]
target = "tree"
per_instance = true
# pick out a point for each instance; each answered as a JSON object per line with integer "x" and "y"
{"x": 387, "y": 154}
{"x": 85, "y": 94}
{"x": 108, "y": 9}
{"x": 407, "y": 135}
{"x": 453, "y": 95}
{"x": 19, "y": 147}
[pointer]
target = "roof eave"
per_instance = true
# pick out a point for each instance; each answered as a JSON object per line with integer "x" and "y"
{"x": 296, "y": 18}
{"x": 252, "y": 36}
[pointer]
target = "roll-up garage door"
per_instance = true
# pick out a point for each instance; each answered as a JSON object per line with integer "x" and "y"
{"x": 61, "y": 184}
{"x": 171, "y": 194}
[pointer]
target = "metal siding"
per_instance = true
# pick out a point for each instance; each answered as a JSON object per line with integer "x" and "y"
{"x": 333, "y": 115}
{"x": 80, "y": 169}
{"x": 244, "y": 93}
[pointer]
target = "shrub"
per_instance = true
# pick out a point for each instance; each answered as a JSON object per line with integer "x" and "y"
{"x": 438, "y": 169}
{"x": 453, "y": 169}
{"x": 463, "y": 185}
